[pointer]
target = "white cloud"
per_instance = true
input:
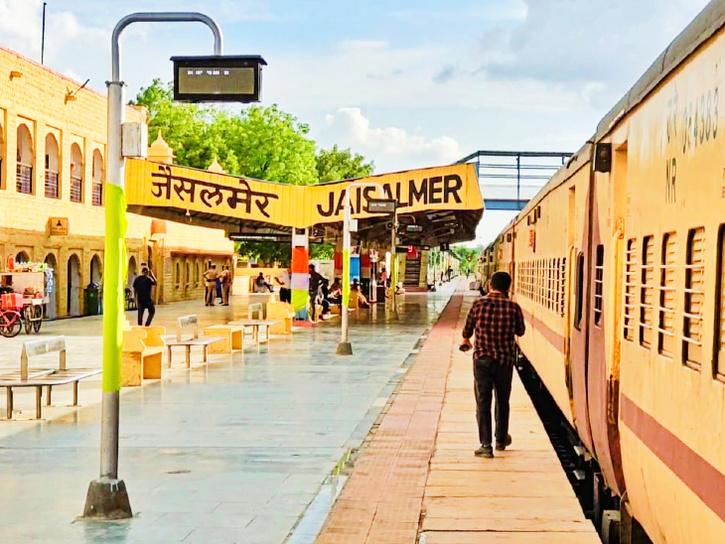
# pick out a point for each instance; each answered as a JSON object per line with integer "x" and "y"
{"x": 392, "y": 148}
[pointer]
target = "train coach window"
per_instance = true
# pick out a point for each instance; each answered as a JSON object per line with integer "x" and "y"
{"x": 562, "y": 286}
{"x": 630, "y": 288}
{"x": 720, "y": 308}
{"x": 668, "y": 288}
{"x": 646, "y": 292}
{"x": 598, "y": 285}
{"x": 579, "y": 308}
{"x": 694, "y": 298}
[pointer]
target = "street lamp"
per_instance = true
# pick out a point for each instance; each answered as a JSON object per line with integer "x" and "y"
{"x": 345, "y": 347}
{"x": 107, "y": 497}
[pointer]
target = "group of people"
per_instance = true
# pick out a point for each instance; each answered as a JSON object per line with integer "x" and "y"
{"x": 217, "y": 285}
{"x": 324, "y": 294}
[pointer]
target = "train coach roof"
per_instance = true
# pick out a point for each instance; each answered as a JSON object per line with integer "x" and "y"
{"x": 709, "y": 21}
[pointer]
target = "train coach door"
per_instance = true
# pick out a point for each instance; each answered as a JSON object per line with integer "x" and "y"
{"x": 608, "y": 191}
{"x": 578, "y": 229}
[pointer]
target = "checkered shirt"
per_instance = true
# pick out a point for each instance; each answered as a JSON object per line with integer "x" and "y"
{"x": 495, "y": 320}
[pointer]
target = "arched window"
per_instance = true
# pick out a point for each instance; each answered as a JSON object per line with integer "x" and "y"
{"x": 177, "y": 277}
{"x": 187, "y": 277}
{"x": 96, "y": 270}
{"x": 52, "y": 163}
{"x": 22, "y": 257}
{"x": 76, "y": 173}
{"x": 24, "y": 168}
{"x": 98, "y": 174}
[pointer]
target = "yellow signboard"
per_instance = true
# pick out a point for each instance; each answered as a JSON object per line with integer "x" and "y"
{"x": 58, "y": 226}
{"x": 156, "y": 185}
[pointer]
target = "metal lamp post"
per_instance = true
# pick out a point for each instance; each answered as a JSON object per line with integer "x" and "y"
{"x": 345, "y": 347}
{"x": 107, "y": 497}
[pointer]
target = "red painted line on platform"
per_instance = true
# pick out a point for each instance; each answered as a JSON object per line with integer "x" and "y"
{"x": 382, "y": 500}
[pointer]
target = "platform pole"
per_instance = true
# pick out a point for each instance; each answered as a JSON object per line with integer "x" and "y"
{"x": 107, "y": 497}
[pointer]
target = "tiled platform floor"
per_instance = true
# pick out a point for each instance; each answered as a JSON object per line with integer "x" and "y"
{"x": 417, "y": 476}
{"x": 229, "y": 452}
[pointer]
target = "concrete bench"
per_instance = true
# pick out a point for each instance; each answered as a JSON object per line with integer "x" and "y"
{"x": 184, "y": 323}
{"x": 233, "y": 338}
{"x": 255, "y": 310}
{"x": 283, "y": 314}
{"x": 38, "y": 378}
{"x": 255, "y": 325}
{"x": 142, "y": 355}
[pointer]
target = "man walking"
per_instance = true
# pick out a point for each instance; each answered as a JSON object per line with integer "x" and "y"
{"x": 142, "y": 286}
{"x": 496, "y": 321}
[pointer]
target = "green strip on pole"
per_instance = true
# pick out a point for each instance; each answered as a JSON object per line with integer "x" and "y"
{"x": 346, "y": 277}
{"x": 114, "y": 272}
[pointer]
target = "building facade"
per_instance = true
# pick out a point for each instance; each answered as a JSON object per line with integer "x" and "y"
{"x": 52, "y": 168}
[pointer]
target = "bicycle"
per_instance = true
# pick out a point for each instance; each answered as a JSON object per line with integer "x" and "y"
{"x": 11, "y": 323}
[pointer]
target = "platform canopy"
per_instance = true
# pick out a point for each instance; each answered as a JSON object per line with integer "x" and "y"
{"x": 444, "y": 203}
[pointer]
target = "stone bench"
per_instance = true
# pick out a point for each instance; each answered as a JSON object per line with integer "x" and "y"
{"x": 184, "y": 323}
{"x": 284, "y": 314}
{"x": 38, "y": 378}
{"x": 142, "y": 355}
{"x": 233, "y": 338}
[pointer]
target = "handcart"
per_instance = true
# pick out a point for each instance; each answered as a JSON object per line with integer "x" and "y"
{"x": 28, "y": 295}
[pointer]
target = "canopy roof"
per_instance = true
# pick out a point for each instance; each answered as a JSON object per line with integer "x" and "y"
{"x": 445, "y": 202}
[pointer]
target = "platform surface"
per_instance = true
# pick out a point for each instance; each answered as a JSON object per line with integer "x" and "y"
{"x": 417, "y": 477}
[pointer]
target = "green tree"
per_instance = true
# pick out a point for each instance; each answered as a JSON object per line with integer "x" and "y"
{"x": 467, "y": 258}
{"x": 258, "y": 142}
{"x": 336, "y": 164}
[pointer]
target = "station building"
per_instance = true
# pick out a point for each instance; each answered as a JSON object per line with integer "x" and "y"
{"x": 52, "y": 167}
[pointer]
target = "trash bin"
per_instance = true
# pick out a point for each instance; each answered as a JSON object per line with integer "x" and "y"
{"x": 93, "y": 299}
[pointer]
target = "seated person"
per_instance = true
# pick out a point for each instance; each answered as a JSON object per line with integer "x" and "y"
{"x": 335, "y": 293}
{"x": 357, "y": 299}
{"x": 261, "y": 285}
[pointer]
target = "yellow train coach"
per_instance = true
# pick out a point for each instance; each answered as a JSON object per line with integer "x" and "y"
{"x": 618, "y": 267}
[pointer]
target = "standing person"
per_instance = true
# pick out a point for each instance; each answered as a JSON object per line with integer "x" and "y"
{"x": 283, "y": 280}
{"x": 496, "y": 321}
{"x": 384, "y": 277}
{"x": 210, "y": 277}
{"x": 142, "y": 286}
{"x": 226, "y": 278}
{"x": 317, "y": 283}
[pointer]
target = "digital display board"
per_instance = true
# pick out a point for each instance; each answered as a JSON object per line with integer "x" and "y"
{"x": 236, "y": 78}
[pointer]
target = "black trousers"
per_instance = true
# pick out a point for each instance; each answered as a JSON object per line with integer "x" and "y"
{"x": 146, "y": 305}
{"x": 492, "y": 377}
{"x": 285, "y": 295}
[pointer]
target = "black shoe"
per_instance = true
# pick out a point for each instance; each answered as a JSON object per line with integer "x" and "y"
{"x": 500, "y": 446}
{"x": 484, "y": 451}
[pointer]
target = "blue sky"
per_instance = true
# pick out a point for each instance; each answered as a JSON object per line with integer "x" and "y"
{"x": 406, "y": 83}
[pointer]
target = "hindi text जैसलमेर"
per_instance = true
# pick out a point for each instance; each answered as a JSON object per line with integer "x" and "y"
{"x": 211, "y": 195}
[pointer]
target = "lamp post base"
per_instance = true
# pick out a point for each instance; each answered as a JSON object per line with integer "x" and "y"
{"x": 107, "y": 499}
{"x": 344, "y": 348}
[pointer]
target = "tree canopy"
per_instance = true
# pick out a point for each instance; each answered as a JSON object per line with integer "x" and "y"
{"x": 467, "y": 258}
{"x": 335, "y": 163}
{"x": 261, "y": 142}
